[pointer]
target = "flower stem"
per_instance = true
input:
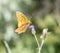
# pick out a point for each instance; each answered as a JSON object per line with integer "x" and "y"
{"x": 7, "y": 46}
{"x": 36, "y": 40}
{"x": 41, "y": 46}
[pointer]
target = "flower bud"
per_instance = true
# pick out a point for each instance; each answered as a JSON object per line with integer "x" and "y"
{"x": 44, "y": 33}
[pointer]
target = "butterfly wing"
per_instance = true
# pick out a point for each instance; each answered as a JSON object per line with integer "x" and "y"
{"x": 21, "y": 29}
{"x": 23, "y": 22}
{"x": 22, "y": 19}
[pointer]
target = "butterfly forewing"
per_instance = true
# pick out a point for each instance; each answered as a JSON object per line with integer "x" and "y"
{"x": 22, "y": 19}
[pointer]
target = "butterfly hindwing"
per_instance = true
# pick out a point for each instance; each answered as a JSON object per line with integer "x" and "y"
{"x": 21, "y": 29}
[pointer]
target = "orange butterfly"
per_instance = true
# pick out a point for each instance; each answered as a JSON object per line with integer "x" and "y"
{"x": 23, "y": 22}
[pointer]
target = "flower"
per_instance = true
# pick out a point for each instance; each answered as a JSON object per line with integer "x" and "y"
{"x": 32, "y": 29}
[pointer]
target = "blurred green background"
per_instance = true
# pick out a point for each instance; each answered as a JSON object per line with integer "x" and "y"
{"x": 42, "y": 13}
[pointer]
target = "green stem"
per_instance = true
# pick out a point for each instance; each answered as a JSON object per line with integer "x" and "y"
{"x": 36, "y": 40}
{"x": 7, "y": 46}
{"x": 41, "y": 46}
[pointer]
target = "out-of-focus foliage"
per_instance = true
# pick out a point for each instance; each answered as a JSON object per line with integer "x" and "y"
{"x": 42, "y": 13}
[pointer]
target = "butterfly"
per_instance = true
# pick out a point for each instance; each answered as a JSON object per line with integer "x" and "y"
{"x": 23, "y": 22}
